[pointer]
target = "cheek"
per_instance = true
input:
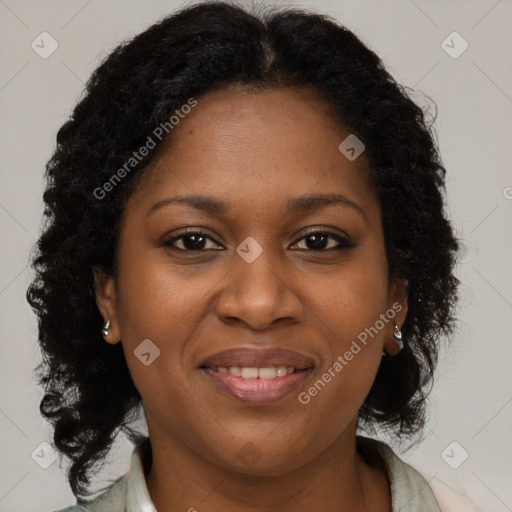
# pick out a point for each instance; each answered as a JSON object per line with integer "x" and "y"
{"x": 153, "y": 307}
{"x": 156, "y": 313}
{"x": 352, "y": 298}
{"x": 351, "y": 313}
{"x": 154, "y": 299}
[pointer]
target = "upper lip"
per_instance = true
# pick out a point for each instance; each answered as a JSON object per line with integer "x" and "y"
{"x": 258, "y": 358}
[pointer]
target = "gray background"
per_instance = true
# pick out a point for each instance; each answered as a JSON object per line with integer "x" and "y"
{"x": 471, "y": 400}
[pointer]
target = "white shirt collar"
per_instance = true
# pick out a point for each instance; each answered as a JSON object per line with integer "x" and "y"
{"x": 137, "y": 494}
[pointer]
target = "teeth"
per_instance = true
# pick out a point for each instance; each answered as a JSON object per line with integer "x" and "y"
{"x": 270, "y": 372}
{"x": 267, "y": 373}
{"x": 235, "y": 370}
{"x": 250, "y": 373}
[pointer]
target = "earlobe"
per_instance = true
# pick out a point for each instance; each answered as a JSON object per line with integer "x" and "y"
{"x": 397, "y": 301}
{"x": 397, "y": 344}
{"x": 105, "y": 293}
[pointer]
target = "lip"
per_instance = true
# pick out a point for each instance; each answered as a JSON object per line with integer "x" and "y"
{"x": 246, "y": 357}
{"x": 256, "y": 390}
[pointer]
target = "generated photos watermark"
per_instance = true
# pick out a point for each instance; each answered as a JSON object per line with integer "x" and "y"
{"x": 137, "y": 156}
{"x": 342, "y": 360}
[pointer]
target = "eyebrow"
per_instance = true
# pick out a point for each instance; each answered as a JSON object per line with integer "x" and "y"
{"x": 300, "y": 204}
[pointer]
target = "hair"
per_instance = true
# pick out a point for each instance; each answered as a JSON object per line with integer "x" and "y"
{"x": 89, "y": 395}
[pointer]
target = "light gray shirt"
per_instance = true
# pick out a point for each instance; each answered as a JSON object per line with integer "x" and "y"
{"x": 410, "y": 492}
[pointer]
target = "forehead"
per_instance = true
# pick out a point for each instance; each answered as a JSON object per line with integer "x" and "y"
{"x": 256, "y": 146}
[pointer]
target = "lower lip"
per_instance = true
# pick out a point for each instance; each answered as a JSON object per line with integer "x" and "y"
{"x": 256, "y": 391}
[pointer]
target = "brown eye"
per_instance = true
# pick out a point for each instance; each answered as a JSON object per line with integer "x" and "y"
{"x": 323, "y": 240}
{"x": 190, "y": 241}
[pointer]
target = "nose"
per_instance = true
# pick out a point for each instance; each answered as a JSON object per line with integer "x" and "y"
{"x": 258, "y": 295}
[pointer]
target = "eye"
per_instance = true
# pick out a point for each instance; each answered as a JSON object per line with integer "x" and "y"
{"x": 190, "y": 241}
{"x": 319, "y": 241}
{"x": 314, "y": 240}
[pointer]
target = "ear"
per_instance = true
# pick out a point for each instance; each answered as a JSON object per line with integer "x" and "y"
{"x": 397, "y": 302}
{"x": 106, "y": 301}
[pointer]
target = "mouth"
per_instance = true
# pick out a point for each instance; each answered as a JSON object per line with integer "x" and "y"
{"x": 251, "y": 387}
{"x": 269, "y": 372}
{"x": 257, "y": 376}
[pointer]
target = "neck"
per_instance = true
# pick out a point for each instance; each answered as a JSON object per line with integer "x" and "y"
{"x": 337, "y": 480}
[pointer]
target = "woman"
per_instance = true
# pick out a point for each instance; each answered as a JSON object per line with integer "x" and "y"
{"x": 246, "y": 238}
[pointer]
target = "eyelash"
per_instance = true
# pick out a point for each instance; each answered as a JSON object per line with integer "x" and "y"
{"x": 344, "y": 242}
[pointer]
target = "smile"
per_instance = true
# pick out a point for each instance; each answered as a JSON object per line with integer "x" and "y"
{"x": 256, "y": 385}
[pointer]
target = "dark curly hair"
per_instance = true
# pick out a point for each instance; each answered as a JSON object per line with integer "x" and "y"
{"x": 89, "y": 393}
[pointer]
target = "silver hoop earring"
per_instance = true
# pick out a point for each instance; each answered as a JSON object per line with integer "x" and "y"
{"x": 105, "y": 329}
{"x": 397, "y": 333}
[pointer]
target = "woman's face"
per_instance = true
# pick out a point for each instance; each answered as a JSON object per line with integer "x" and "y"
{"x": 252, "y": 165}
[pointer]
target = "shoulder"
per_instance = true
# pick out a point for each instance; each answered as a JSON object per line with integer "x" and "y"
{"x": 111, "y": 499}
{"x": 130, "y": 488}
{"x": 409, "y": 489}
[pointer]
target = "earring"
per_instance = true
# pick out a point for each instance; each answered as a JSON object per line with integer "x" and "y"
{"x": 397, "y": 333}
{"x": 105, "y": 329}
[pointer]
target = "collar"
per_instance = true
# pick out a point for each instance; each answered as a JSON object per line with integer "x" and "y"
{"x": 137, "y": 494}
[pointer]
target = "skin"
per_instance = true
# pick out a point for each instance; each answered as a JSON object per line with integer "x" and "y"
{"x": 253, "y": 150}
